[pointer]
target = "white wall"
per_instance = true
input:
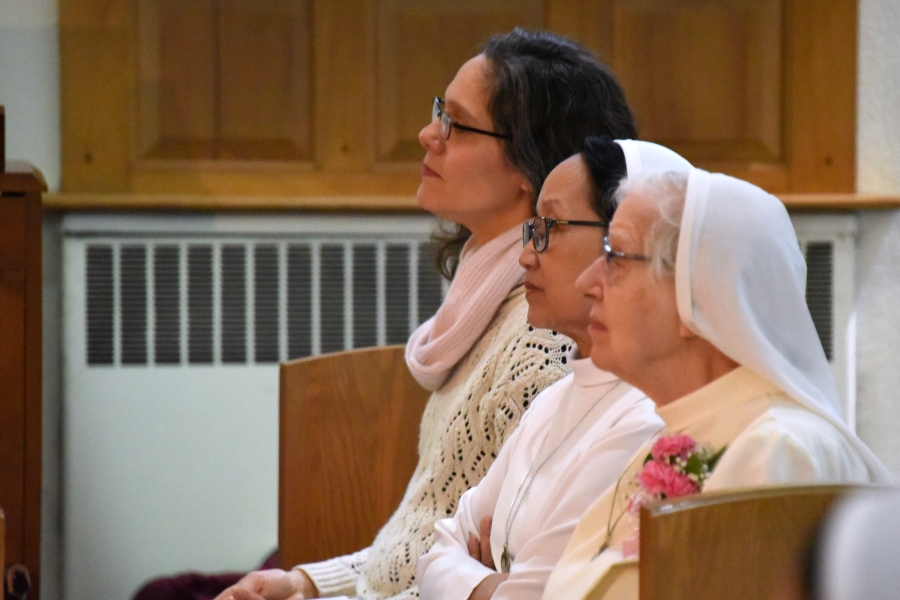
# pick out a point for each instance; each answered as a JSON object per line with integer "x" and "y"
{"x": 29, "y": 83}
{"x": 878, "y": 276}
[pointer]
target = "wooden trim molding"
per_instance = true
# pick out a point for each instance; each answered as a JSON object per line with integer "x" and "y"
{"x": 839, "y": 202}
{"x": 189, "y": 203}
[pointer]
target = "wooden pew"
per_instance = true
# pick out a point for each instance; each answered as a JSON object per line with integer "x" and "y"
{"x": 349, "y": 430}
{"x": 21, "y": 186}
{"x": 736, "y": 545}
{"x": 2, "y": 540}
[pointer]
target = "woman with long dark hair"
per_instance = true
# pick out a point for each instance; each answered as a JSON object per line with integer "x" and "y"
{"x": 511, "y": 114}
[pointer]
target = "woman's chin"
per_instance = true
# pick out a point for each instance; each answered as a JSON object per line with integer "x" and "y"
{"x": 601, "y": 357}
{"x": 537, "y": 316}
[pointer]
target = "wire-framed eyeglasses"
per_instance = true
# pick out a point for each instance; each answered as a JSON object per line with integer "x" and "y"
{"x": 447, "y": 123}
{"x": 610, "y": 254}
{"x": 538, "y": 230}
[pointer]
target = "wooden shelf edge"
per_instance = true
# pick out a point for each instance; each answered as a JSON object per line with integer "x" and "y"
{"x": 839, "y": 202}
{"x": 152, "y": 202}
{"x": 20, "y": 176}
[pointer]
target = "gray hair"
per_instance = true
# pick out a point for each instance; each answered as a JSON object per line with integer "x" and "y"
{"x": 669, "y": 190}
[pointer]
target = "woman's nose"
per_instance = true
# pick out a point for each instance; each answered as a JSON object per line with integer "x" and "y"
{"x": 528, "y": 257}
{"x": 430, "y": 135}
{"x": 591, "y": 281}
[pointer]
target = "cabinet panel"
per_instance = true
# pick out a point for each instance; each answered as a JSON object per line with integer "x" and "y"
{"x": 224, "y": 80}
{"x": 326, "y": 97}
{"x": 12, "y": 234}
{"x": 421, "y": 45}
{"x": 704, "y": 78}
{"x": 12, "y": 409}
{"x": 20, "y": 366}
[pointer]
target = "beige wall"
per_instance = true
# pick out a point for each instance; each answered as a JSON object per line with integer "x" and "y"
{"x": 878, "y": 276}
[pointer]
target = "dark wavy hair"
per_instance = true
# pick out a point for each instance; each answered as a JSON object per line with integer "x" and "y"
{"x": 605, "y": 161}
{"x": 548, "y": 93}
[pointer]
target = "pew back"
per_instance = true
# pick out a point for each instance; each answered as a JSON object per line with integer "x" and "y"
{"x": 349, "y": 430}
{"x": 737, "y": 545}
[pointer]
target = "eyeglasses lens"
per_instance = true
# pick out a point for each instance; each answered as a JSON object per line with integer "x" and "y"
{"x": 540, "y": 234}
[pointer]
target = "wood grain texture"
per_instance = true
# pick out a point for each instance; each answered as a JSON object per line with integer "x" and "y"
{"x": 186, "y": 202}
{"x": 760, "y": 89}
{"x": 349, "y": 432}
{"x": 33, "y": 397}
{"x": 821, "y": 43}
{"x": 2, "y": 538}
{"x": 736, "y": 545}
{"x": 421, "y": 45}
{"x": 278, "y": 179}
{"x": 590, "y": 22}
{"x": 97, "y": 84}
{"x": 344, "y": 60}
{"x": 20, "y": 367}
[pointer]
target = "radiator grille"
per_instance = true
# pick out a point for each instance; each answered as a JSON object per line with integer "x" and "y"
{"x": 248, "y": 302}
{"x": 100, "y": 305}
{"x": 819, "y": 291}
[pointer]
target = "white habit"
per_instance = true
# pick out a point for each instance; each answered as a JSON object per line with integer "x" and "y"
{"x": 589, "y": 456}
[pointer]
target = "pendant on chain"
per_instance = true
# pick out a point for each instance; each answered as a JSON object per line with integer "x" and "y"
{"x": 504, "y": 559}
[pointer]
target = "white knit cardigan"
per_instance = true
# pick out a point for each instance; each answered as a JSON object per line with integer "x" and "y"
{"x": 464, "y": 424}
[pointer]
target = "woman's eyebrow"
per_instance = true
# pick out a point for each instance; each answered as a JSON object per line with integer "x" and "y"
{"x": 459, "y": 109}
{"x": 548, "y": 203}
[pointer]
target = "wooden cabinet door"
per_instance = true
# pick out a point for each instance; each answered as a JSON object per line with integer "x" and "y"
{"x": 20, "y": 374}
{"x": 326, "y": 97}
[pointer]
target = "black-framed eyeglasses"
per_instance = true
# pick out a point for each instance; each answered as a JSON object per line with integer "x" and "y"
{"x": 538, "y": 230}
{"x": 447, "y": 123}
{"x": 610, "y": 254}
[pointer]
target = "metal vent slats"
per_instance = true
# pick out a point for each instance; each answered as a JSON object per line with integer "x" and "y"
{"x": 239, "y": 302}
{"x": 100, "y": 304}
{"x": 819, "y": 295}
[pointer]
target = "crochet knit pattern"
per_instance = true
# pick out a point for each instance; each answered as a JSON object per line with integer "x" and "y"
{"x": 464, "y": 424}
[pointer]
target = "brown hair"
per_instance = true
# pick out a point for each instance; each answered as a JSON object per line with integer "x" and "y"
{"x": 548, "y": 93}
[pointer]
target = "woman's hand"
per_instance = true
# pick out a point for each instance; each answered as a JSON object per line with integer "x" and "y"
{"x": 272, "y": 584}
{"x": 480, "y": 550}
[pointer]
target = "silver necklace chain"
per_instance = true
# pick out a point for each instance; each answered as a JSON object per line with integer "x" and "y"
{"x": 505, "y": 558}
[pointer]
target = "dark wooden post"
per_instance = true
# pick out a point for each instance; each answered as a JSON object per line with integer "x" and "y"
{"x": 2, "y": 139}
{"x": 21, "y": 186}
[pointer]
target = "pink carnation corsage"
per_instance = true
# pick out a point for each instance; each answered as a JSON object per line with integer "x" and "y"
{"x": 676, "y": 466}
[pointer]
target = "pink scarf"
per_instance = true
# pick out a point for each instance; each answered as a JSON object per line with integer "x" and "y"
{"x": 483, "y": 280}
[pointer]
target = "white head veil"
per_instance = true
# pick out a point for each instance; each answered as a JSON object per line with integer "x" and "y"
{"x": 740, "y": 282}
{"x": 647, "y": 156}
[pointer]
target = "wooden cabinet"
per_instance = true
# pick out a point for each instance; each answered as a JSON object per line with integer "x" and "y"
{"x": 20, "y": 364}
{"x": 324, "y": 98}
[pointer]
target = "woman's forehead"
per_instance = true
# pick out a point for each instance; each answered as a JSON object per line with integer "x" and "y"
{"x": 565, "y": 187}
{"x": 633, "y": 218}
{"x": 467, "y": 94}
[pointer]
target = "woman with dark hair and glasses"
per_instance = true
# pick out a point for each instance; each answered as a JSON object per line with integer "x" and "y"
{"x": 579, "y": 434}
{"x": 510, "y": 115}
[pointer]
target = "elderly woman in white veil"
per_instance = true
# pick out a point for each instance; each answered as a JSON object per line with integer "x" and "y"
{"x": 699, "y": 301}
